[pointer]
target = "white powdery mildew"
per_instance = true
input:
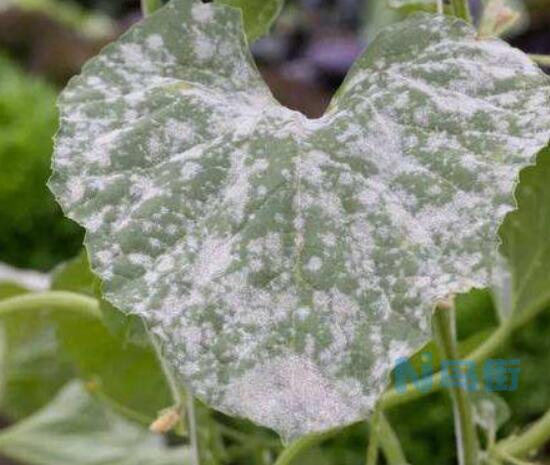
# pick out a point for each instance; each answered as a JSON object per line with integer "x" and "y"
{"x": 283, "y": 263}
{"x": 291, "y": 394}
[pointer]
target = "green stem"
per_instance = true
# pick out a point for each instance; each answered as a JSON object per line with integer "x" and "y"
{"x": 300, "y": 445}
{"x": 374, "y": 431}
{"x": 543, "y": 60}
{"x": 150, "y": 6}
{"x": 192, "y": 425}
{"x": 60, "y": 300}
{"x": 389, "y": 443}
{"x": 536, "y": 436}
{"x": 461, "y": 9}
{"x": 175, "y": 390}
{"x": 465, "y": 429}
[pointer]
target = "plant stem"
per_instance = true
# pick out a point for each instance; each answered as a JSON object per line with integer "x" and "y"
{"x": 175, "y": 389}
{"x": 543, "y": 60}
{"x": 532, "y": 439}
{"x": 60, "y": 300}
{"x": 300, "y": 445}
{"x": 461, "y": 9}
{"x": 465, "y": 429}
{"x": 192, "y": 425}
{"x": 182, "y": 400}
{"x": 150, "y": 6}
{"x": 374, "y": 431}
{"x": 389, "y": 443}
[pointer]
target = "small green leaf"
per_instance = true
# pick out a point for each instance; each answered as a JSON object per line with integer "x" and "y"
{"x": 258, "y": 15}
{"x": 76, "y": 429}
{"x": 286, "y": 263}
{"x": 32, "y": 368}
{"x": 124, "y": 372}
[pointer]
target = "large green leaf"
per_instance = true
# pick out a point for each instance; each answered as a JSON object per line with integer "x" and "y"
{"x": 525, "y": 242}
{"x": 258, "y": 15}
{"x": 285, "y": 263}
{"x": 75, "y": 429}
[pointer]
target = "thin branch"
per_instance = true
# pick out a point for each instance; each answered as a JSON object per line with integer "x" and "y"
{"x": 192, "y": 426}
{"x": 301, "y": 445}
{"x": 389, "y": 443}
{"x": 532, "y": 439}
{"x": 465, "y": 429}
{"x": 374, "y": 443}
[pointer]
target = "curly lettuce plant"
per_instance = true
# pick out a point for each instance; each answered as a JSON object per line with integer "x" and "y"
{"x": 283, "y": 265}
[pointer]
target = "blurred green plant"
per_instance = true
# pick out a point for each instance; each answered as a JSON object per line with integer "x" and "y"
{"x": 92, "y": 24}
{"x": 33, "y": 231}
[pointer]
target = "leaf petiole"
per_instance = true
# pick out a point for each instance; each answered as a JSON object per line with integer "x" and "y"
{"x": 444, "y": 326}
{"x": 60, "y": 300}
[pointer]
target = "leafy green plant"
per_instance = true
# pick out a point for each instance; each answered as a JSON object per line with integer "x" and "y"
{"x": 276, "y": 267}
{"x": 33, "y": 231}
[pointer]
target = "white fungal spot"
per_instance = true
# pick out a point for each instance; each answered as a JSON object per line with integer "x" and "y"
{"x": 314, "y": 264}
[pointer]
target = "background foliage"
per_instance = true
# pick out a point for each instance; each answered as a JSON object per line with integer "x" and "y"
{"x": 33, "y": 231}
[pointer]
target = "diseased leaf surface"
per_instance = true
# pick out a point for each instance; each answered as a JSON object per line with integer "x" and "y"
{"x": 285, "y": 263}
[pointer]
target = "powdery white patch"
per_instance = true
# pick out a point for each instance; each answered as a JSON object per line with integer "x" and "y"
{"x": 155, "y": 42}
{"x": 314, "y": 264}
{"x": 214, "y": 257}
{"x": 204, "y": 48}
{"x": 289, "y": 394}
{"x": 202, "y": 12}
